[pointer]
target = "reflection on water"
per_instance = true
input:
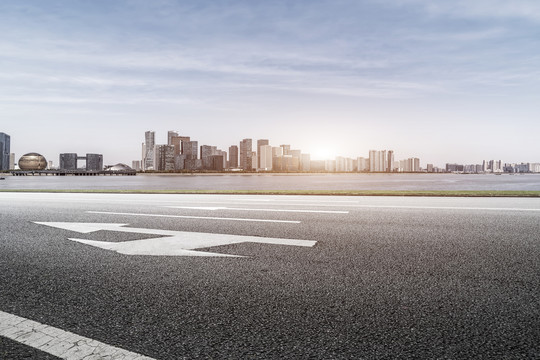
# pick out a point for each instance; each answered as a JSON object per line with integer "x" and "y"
{"x": 280, "y": 182}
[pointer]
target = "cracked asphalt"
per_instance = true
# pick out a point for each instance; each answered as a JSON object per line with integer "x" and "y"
{"x": 394, "y": 278}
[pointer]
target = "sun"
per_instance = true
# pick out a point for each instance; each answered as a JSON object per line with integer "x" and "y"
{"x": 323, "y": 154}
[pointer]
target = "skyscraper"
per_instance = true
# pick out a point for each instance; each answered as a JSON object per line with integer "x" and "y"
{"x": 207, "y": 152}
{"x": 190, "y": 149}
{"x": 68, "y": 161}
{"x": 178, "y": 143}
{"x": 305, "y": 162}
{"x": 363, "y": 164}
{"x": 233, "y": 157}
{"x": 12, "y": 161}
{"x": 378, "y": 162}
{"x": 170, "y": 135}
{"x": 260, "y": 142}
{"x": 5, "y": 148}
{"x": 164, "y": 158}
{"x": 246, "y": 149}
{"x": 390, "y": 163}
{"x": 286, "y": 149}
{"x": 94, "y": 162}
{"x": 148, "y": 150}
{"x": 265, "y": 156}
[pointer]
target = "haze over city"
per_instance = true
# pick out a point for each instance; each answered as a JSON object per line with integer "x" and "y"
{"x": 446, "y": 82}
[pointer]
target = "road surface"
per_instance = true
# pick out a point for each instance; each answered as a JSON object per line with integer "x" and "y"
{"x": 84, "y": 276}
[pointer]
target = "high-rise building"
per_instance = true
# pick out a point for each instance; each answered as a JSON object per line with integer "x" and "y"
{"x": 68, "y": 161}
{"x": 286, "y": 149}
{"x": 265, "y": 156}
{"x": 148, "y": 150}
{"x": 206, "y": 152}
{"x": 362, "y": 164}
{"x": 94, "y": 162}
{"x": 340, "y": 164}
{"x": 11, "y": 161}
{"x": 164, "y": 157}
{"x": 390, "y": 161}
{"x": 136, "y": 165}
{"x": 330, "y": 165}
{"x": 277, "y": 151}
{"x": 189, "y": 149}
{"x": 378, "y": 161}
{"x": 246, "y": 153}
{"x": 215, "y": 162}
{"x": 260, "y": 142}
{"x": 233, "y": 157}
{"x": 254, "y": 162}
{"x": 305, "y": 162}
{"x": 5, "y": 148}
{"x": 349, "y": 164}
{"x": 170, "y": 135}
{"x": 223, "y": 154}
{"x": 177, "y": 142}
{"x": 298, "y": 155}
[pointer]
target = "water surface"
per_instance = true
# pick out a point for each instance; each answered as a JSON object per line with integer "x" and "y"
{"x": 280, "y": 182}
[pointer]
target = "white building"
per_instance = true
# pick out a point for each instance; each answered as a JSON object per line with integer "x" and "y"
{"x": 265, "y": 157}
{"x": 305, "y": 162}
{"x": 378, "y": 161}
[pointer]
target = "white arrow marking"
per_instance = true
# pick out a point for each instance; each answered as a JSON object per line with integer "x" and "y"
{"x": 214, "y": 208}
{"x": 177, "y": 243}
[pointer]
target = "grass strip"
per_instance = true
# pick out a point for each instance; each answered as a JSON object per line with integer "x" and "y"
{"x": 437, "y": 193}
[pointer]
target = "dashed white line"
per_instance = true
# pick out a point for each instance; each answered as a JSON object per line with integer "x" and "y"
{"x": 60, "y": 343}
{"x": 195, "y": 217}
{"x": 214, "y": 208}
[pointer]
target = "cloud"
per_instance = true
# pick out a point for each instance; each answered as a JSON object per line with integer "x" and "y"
{"x": 494, "y": 9}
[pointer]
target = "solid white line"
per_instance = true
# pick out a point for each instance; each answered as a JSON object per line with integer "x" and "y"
{"x": 60, "y": 343}
{"x": 298, "y": 200}
{"x": 195, "y": 217}
{"x": 246, "y": 209}
{"x": 443, "y": 207}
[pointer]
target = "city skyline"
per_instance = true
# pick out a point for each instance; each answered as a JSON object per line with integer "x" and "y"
{"x": 188, "y": 149}
{"x": 446, "y": 82}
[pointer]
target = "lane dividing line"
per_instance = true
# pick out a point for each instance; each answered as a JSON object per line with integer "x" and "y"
{"x": 195, "y": 217}
{"x": 60, "y": 343}
{"x": 299, "y": 200}
{"x": 442, "y": 207}
{"x": 214, "y": 208}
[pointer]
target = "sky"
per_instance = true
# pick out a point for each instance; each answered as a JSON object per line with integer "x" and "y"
{"x": 445, "y": 81}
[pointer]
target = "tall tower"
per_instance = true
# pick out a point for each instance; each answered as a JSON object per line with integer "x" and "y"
{"x": 233, "y": 157}
{"x": 246, "y": 150}
{"x": 390, "y": 163}
{"x": 149, "y": 143}
{"x": 260, "y": 142}
{"x": 5, "y": 143}
{"x": 170, "y": 135}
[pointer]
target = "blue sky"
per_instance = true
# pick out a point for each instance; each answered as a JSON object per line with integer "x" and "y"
{"x": 446, "y": 81}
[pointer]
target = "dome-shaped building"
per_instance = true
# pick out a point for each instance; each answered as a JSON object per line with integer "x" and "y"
{"x": 32, "y": 161}
{"x": 119, "y": 167}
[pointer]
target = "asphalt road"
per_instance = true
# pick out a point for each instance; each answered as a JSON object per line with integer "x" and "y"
{"x": 388, "y": 278}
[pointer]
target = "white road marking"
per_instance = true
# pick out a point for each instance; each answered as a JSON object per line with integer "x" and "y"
{"x": 178, "y": 243}
{"x": 214, "y": 208}
{"x": 195, "y": 217}
{"x": 443, "y": 207}
{"x": 298, "y": 200}
{"x": 60, "y": 343}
